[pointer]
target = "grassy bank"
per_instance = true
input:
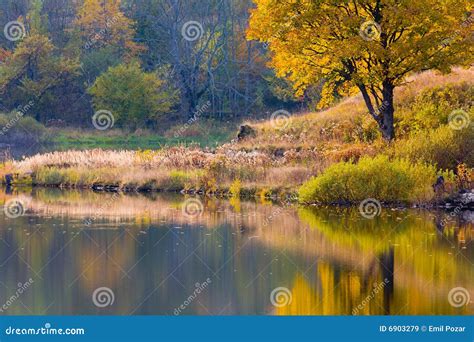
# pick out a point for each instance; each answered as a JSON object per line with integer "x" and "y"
{"x": 336, "y": 154}
{"x": 207, "y": 136}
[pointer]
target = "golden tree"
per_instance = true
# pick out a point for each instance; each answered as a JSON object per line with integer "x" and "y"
{"x": 369, "y": 46}
{"x": 102, "y": 23}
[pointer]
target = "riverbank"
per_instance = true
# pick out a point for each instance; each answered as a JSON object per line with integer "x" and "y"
{"x": 220, "y": 173}
{"x": 335, "y": 156}
{"x": 174, "y": 169}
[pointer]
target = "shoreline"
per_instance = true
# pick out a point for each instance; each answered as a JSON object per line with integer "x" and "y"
{"x": 276, "y": 196}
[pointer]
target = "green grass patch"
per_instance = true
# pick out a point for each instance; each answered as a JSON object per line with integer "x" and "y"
{"x": 65, "y": 140}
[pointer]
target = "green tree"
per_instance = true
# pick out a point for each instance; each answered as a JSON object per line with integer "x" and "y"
{"x": 365, "y": 45}
{"x": 133, "y": 96}
{"x": 35, "y": 70}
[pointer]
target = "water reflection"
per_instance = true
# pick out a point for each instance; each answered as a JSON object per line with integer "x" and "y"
{"x": 154, "y": 257}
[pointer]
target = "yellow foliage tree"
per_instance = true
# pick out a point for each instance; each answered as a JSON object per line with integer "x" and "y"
{"x": 102, "y": 23}
{"x": 369, "y": 46}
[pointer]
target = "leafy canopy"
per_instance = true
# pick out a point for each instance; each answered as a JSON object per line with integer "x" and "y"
{"x": 362, "y": 42}
{"x": 102, "y": 23}
{"x": 36, "y": 69}
{"x": 133, "y": 96}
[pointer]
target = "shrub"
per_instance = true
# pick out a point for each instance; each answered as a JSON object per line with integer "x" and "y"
{"x": 55, "y": 176}
{"x": 431, "y": 108}
{"x": 6, "y": 167}
{"x": 443, "y": 147}
{"x": 235, "y": 188}
{"x": 50, "y": 176}
{"x": 178, "y": 180}
{"x": 379, "y": 178}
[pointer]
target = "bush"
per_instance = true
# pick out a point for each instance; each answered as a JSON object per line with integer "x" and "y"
{"x": 431, "y": 108}
{"x": 50, "y": 176}
{"x": 56, "y": 176}
{"x": 443, "y": 147}
{"x": 379, "y": 178}
{"x": 178, "y": 180}
{"x": 235, "y": 188}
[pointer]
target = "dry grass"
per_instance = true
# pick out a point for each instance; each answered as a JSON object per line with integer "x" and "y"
{"x": 274, "y": 159}
{"x": 173, "y": 168}
{"x": 169, "y": 158}
{"x": 310, "y": 130}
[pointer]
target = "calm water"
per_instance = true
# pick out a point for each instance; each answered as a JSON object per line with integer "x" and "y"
{"x": 226, "y": 260}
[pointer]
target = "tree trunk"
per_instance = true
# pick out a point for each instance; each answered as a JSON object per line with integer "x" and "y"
{"x": 386, "y": 112}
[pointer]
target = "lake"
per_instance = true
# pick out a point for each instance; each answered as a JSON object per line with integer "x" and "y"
{"x": 68, "y": 252}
